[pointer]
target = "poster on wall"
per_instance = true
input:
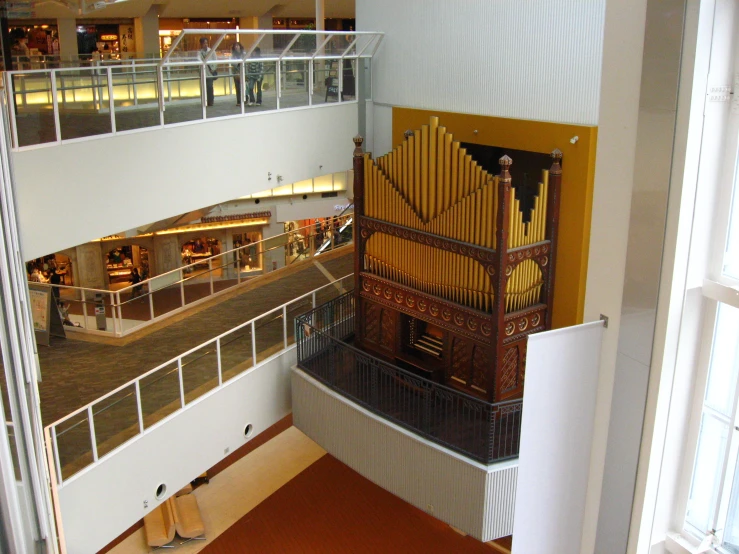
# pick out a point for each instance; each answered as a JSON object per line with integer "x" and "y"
{"x": 128, "y": 43}
{"x": 45, "y": 315}
{"x": 40, "y": 312}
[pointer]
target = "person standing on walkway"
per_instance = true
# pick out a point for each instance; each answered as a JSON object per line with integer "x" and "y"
{"x": 135, "y": 280}
{"x": 211, "y": 74}
{"x": 237, "y": 53}
{"x": 255, "y": 72}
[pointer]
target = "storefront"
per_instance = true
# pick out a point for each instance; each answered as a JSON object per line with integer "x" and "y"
{"x": 120, "y": 262}
{"x": 112, "y": 40}
{"x": 31, "y": 42}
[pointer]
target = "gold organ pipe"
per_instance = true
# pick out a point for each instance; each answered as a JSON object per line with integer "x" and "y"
{"x": 440, "y": 170}
{"x": 424, "y": 173}
{"x": 454, "y": 177}
{"x": 433, "y": 134}
{"x": 447, "y": 171}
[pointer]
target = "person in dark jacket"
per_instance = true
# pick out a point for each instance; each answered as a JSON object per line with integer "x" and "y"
{"x": 237, "y": 53}
{"x": 255, "y": 74}
{"x": 211, "y": 74}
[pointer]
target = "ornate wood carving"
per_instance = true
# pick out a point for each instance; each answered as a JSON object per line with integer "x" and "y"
{"x": 480, "y": 366}
{"x": 524, "y": 322}
{"x": 371, "y": 322}
{"x": 508, "y": 370}
{"x": 453, "y": 317}
{"x": 387, "y": 329}
{"x": 460, "y": 366}
{"x": 485, "y": 256}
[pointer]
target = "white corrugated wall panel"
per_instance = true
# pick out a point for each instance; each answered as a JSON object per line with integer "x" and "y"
{"x": 536, "y": 59}
{"x": 450, "y": 487}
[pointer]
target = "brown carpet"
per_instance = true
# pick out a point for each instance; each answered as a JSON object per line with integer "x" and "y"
{"x": 330, "y": 508}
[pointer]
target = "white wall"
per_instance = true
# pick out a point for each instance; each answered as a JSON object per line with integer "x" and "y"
{"x": 70, "y": 194}
{"x": 556, "y": 439}
{"x": 476, "y": 498}
{"x": 99, "y": 504}
{"x": 539, "y": 59}
{"x": 655, "y": 134}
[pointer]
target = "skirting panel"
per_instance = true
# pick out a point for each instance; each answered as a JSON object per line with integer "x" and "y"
{"x": 475, "y": 498}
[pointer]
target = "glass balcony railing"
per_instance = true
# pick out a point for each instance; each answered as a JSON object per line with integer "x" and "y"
{"x": 93, "y": 432}
{"x": 275, "y": 70}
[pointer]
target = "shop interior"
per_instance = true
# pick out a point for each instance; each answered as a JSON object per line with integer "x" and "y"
{"x": 248, "y": 259}
{"x": 121, "y": 261}
{"x": 54, "y": 268}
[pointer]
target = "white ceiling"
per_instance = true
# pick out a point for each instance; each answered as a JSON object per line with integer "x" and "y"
{"x": 51, "y": 9}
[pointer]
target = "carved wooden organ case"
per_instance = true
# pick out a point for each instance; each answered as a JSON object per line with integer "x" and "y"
{"x": 449, "y": 278}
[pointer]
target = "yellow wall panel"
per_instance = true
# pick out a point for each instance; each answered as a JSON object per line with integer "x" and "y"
{"x": 578, "y": 171}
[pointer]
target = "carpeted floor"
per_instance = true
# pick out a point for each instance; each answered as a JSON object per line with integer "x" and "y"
{"x": 329, "y": 508}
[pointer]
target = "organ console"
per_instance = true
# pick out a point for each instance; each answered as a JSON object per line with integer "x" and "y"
{"x": 451, "y": 275}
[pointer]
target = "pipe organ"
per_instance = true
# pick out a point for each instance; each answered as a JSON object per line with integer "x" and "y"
{"x": 451, "y": 274}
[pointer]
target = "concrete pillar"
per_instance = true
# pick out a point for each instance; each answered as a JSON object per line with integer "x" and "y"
{"x": 90, "y": 268}
{"x": 265, "y": 22}
{"x": 320, "y": 15}
{"x": 248, "y": 23}
{"x": 146, "y": 33}
{"x": 67, "y": 28}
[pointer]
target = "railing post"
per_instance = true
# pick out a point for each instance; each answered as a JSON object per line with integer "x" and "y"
{"x": 13, "y": 103}
{"x": 55, "y": 105}
{"x": 111, "y": 100}
{"x": 218, "y": 357}
{"x": 182, "y": 386}
{"x": 84, "y": 307}
{"x": 111, "y": 299}
{"x": 210, "y": 274}
{"x": 284, "y": 324}
{"x": 151, "y": 301}
{"x": 253, "y": 344}
{"x": 278, "y": 84}
{"x": 120, "y": 309}
{"x": 182, "y": 287}
{"x": 310, "y": 83}
{"x": 56, "y": 457}
{"x": 133, "y": 80}
{"x": 313, "y": 300}
{"x": 93, "y": 439}
{"x": 138, "y": 407}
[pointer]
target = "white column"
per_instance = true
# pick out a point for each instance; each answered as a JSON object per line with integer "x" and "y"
{"x": 320, "y": 15}
{"x": 67, "y": 28}
{"x": 146, "y": 33}
{"x": 623, "y": 46}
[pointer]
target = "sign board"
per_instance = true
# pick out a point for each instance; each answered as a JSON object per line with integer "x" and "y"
{"x": 44, "y": 313}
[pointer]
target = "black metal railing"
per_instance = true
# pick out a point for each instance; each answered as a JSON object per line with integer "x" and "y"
{"x": 477, "y": 429}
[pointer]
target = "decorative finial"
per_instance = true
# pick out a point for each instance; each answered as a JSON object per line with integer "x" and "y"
{"x": 408, "y": 134}
{"x": 556, "y": 168}
{"x": 505, "y": 162}
{"x": 358, "y": 140}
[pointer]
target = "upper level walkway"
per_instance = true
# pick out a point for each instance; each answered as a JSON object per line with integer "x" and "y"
{"x": 75, "y": 372}
{"x": 121, "y": 146}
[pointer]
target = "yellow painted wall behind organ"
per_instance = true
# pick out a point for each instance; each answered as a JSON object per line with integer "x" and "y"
{"x": 578, "y": 170}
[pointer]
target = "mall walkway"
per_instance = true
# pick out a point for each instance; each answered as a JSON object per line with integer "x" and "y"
{"x": 76, "y": 372}
{"x": 36, "y": 123}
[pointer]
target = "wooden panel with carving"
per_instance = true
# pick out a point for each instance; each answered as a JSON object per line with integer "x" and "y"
{"x": 387, "y": 329}
{"x": 452, "y": 317}
{"x": 459, "y": 369}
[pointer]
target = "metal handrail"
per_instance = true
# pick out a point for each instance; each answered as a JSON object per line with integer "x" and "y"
{"x": 170, "y": 62}
{"x": 322, "y": 352}
{"x": 114, "y": 297}
{"x": 177, "y": 361}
